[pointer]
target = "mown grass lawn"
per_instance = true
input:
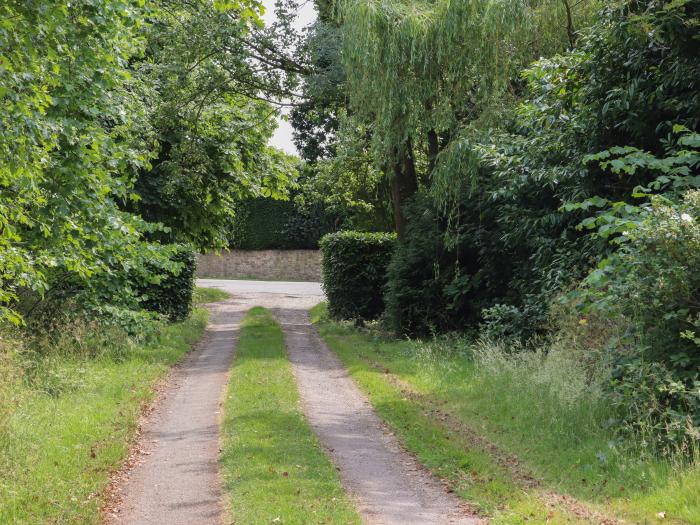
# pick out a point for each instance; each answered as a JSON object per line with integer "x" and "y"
{"x": 274, "y": 467}
{"x": 450, "y": 415}
{"x": 74, "y": 424}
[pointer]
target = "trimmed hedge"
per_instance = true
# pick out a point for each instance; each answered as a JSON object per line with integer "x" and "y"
{"x": 259, "y": 224}
{"x": 172, "y": 296}
{"x": 268, "y": 224}
{"x": 354, "y": 268}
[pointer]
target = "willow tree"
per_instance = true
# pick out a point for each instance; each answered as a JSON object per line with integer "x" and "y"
{"x": 418, "y": 71}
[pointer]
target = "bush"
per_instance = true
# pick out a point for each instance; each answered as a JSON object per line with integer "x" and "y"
{"x": 431, "y": 286}
{"x": 503, "y": 322}
{"x": 354, "y": 268}
{"x": 171, "y": 294}
{"x": 657, "y": 406}
{"x": 652, "y": 282}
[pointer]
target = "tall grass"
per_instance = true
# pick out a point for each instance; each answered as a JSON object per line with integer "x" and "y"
{"x": 10, "y": 390}
{"x": 547, "y": 404}
{"x": 552, "y": 406}
{"x": 548, "y": 385}
{"x": 75, "y": 396}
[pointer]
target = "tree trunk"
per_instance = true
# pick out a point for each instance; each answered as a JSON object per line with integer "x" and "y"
{"x": 433, "y": 150}
{"x": 404, "y": 185}
{"x": 570, "y": 30}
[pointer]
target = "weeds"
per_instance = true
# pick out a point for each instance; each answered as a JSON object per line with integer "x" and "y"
{"x": 70, "y": 409}
{"x": 546, "y": 410}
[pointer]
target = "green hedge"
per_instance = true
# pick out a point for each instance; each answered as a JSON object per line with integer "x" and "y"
{"x": 354, "y": 268}
{"x": 268, "y": 224}
{"x": 172, "y": 296}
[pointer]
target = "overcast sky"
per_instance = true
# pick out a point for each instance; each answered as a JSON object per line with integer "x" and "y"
{"x": 307, "y": 14}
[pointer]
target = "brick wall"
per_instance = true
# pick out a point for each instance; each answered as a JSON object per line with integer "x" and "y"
{"x": 296, "y": 265}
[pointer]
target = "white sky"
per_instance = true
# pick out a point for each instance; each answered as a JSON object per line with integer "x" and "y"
{"x": 282, "y": 137}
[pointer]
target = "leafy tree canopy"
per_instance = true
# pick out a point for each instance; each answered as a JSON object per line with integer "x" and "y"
{"x": 127, "y": 125}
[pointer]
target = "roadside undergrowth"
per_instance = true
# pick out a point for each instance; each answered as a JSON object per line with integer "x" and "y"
{"x": 75, "y": 409}
{"x": 275, "y": 469}
{"x": 514, "y": 447}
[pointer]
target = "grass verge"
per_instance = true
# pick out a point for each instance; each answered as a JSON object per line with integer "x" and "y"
{"x": 74, "y": 421}
{"x": 504, "y": 443}
{"x": 209, "y": 295}
{"x": 274, "y": 467}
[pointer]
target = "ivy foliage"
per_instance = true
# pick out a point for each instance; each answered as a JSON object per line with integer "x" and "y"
{"x": 651, "y": 281}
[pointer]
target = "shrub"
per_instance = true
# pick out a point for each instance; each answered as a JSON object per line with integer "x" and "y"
{"x": 431, "y": 285}
{"x": 354, "y": 268}
{"x": 171, "y": 294}
{"x": 503, "y": 322}
{"x": 652, "y": 281}
{"x": 415, "y": 304}
{"x": 657, "y": 406}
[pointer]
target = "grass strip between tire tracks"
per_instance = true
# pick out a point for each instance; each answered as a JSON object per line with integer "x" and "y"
{"x": 275, "y": 469}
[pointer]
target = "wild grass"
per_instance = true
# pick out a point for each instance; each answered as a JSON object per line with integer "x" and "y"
{"x": 209, "y": 295}
{"x": 78, "y": 396}
{"x": 274, "y": 467}
{"x": 487, "y": 416}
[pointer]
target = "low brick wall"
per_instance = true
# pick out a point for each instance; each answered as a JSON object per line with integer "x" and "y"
{"x": 293, "y": 265}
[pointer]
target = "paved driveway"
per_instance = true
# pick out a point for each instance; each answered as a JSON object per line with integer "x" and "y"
{"x": 270, "y": 294}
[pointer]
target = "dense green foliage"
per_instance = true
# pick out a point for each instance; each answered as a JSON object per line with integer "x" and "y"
{"x": 71, "y": 141}
{"x": 348, "y": 187}
{"x": 354, "y": 273}
{"x": 651, "y": 282}
{"x": 210, "y": 119}
{"x": 579, "y": 105}
{"x": 513, "y": 183}
{"x": 443, "y": 66}
{"x": 268, "y": 224}
{"x": 431, "y": 287}
{"x": 172, "y": 294}
{"x": 550, "y": 198}
{"x": 122, "y": 134}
